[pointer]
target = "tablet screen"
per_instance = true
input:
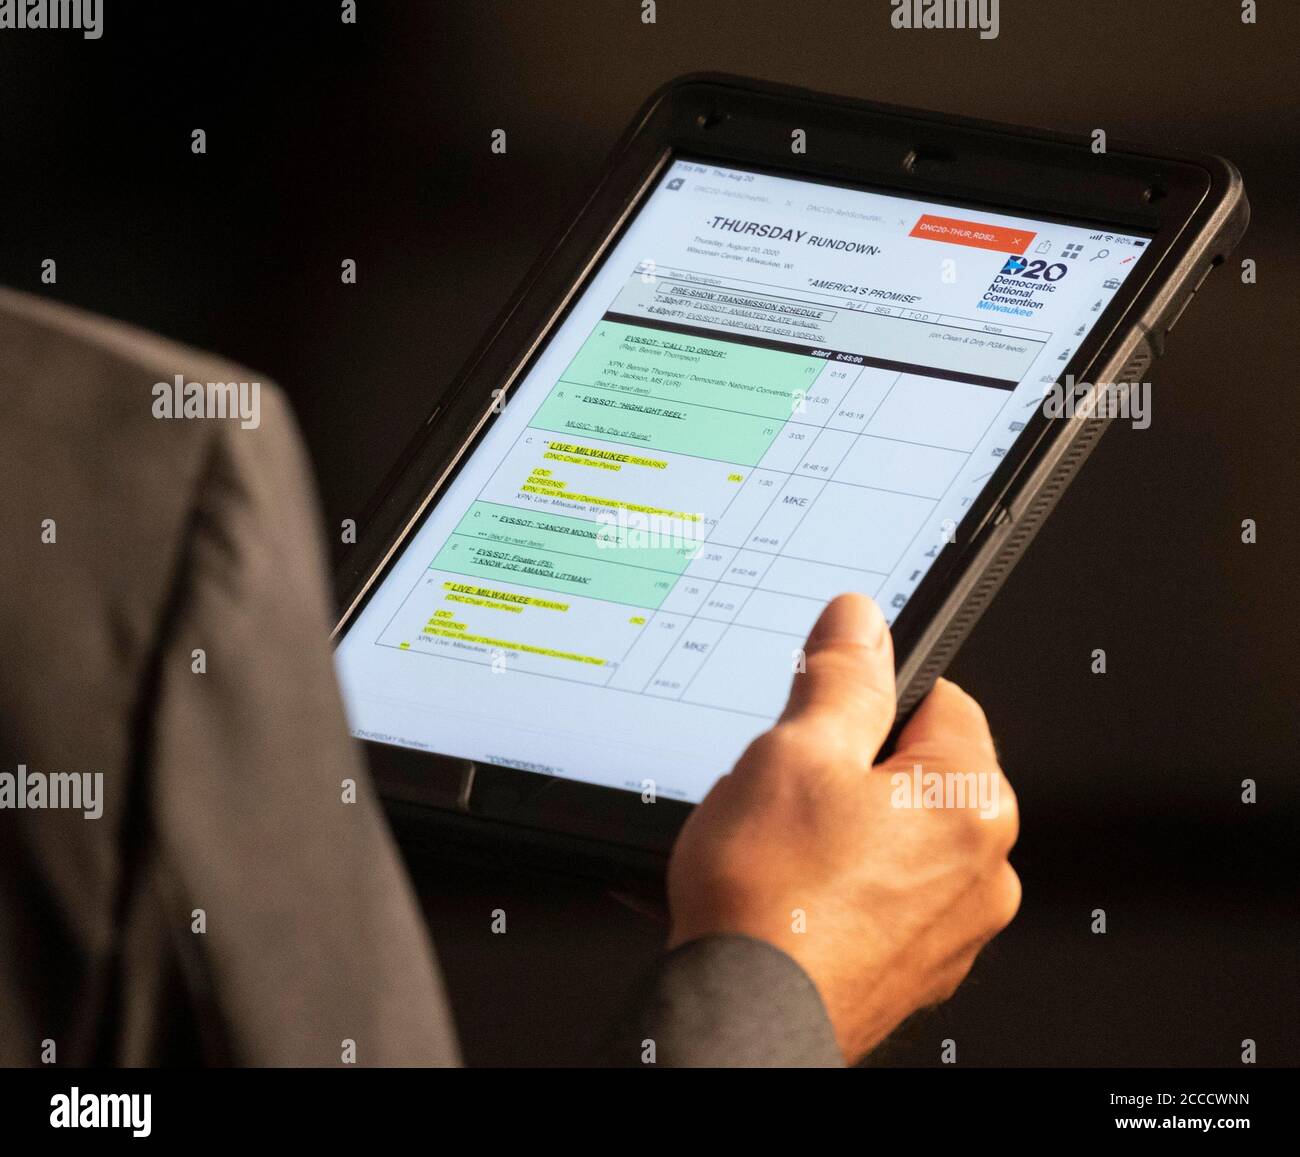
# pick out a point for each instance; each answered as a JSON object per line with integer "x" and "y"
{"x": 771, "y": 391}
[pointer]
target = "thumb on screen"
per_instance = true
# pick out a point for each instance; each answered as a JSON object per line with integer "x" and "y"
{"x": 848, "y": 681}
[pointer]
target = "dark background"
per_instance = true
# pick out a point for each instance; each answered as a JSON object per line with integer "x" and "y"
{"x": 371, "y": 141}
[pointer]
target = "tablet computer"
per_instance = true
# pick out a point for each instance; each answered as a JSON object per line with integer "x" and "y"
{"x": 791, "y": 345}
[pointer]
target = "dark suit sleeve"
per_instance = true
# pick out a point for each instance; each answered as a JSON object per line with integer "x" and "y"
{"x": 263, "y": 813}
{"x": 240, "y": 899}
{"x": 726, "y": 1001}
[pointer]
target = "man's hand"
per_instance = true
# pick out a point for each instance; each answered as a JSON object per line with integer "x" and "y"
{"x": 808, "y": 846}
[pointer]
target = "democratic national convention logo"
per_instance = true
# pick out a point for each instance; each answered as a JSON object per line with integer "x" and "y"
{"x": 1032, "y": 270}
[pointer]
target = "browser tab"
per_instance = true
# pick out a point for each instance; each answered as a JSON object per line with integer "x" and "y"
{"x": 972, "y": 233}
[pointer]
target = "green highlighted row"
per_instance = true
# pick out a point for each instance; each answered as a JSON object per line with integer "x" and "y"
{"x": 664, "y": 391}
{"x": 557, "y": 553}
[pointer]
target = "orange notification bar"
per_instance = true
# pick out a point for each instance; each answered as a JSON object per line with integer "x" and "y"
{"x": 973, "y": 233}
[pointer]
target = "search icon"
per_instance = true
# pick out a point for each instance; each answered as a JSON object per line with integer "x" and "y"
{"x": 1102, "y": 253}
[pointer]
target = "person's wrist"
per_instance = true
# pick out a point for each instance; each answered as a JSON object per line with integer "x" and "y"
{"x": 798, "y": 949}
{"x": 778, "y": 935}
